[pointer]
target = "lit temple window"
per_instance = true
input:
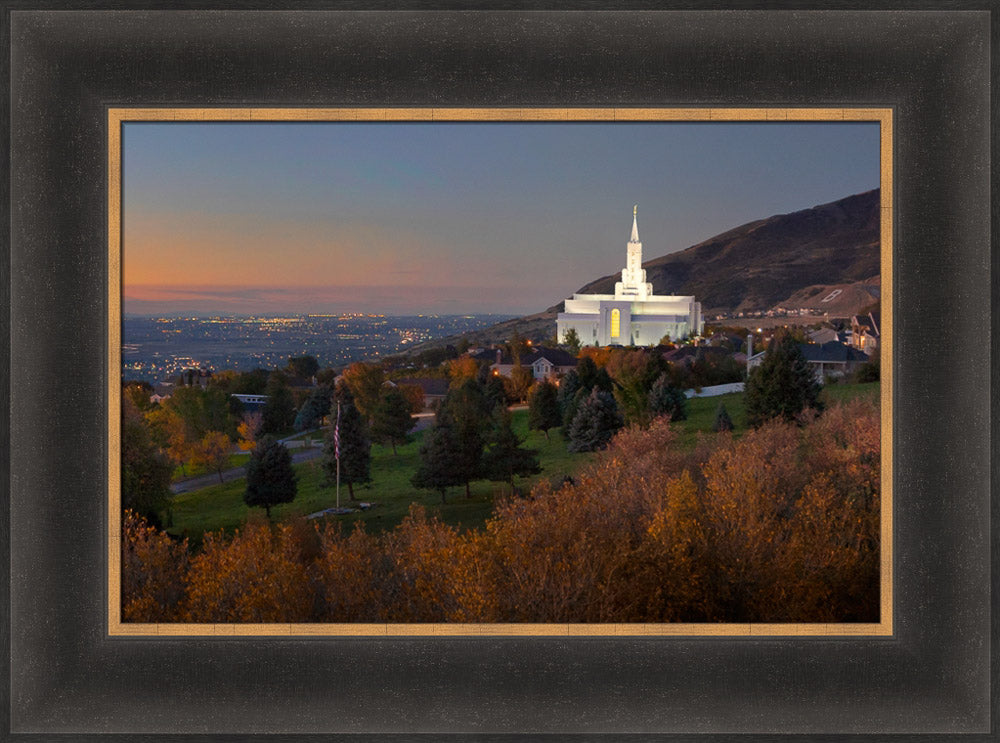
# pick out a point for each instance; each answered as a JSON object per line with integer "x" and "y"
{"x": 616, "y": 323}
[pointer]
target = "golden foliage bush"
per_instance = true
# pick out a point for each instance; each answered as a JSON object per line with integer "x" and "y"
{"x": 781, "y": 525}
{"x": 253, "y": 577}
{"x": 153, "y": 569}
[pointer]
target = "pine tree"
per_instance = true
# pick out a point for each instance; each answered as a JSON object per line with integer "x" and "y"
{"x": 571, "y": 340}
{"x": 391, "y": 419}
{"x": 569, "y": 385}
{"x": 665, "y": 399}
{"x": 355, "y": 446}
{"x": 270, "y": 477}
{"x": 503, "y": 457}
{"x": 438, "y": 459}
{"x": 596, "y": 422}
{"x": 314, "y": 409}
{"x": 496, "y": 392}
{"x": 543, "y": 408}
{"x": 466, "y": 410}
{"x": 782, "y": 386}
{"x": 722, "y": 420}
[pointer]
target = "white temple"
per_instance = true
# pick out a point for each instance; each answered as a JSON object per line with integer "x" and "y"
{"x": 633, "y": 315}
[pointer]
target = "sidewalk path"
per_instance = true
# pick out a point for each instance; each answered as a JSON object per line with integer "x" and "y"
{"x": 204, "y": 481}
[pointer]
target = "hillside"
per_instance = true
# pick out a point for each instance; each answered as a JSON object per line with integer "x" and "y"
{"x": 760, "y": 264}
{"x": 791, "y": 261}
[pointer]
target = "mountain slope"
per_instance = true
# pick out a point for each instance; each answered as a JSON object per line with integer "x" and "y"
{"x": 761, "y": 263}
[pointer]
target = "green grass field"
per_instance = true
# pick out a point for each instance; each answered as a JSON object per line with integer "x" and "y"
{"x": 221, "y": 506}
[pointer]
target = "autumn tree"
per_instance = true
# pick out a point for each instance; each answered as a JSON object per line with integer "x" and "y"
{"x": 391, "y": 419}
{"x": 503, "y": 456}
{"x": 543, "y": 408}
{"x": 145, "y": 470}
{"x": 518, "y": 384}
{"x": 256, "y": 576}
{"x": 270, "y": 477}
{"x": 139, "y": 393}
{"x": 249, "y": 430}
{"x": 212, "y": 452}
{"x": 596, "y": 422}
{"x": 365, "y": 382}
{"x": 414, "y": 395}
{"x": 782, "y": 386}
{"x": 152, "y": 573}
{"x": 347, "y": 439}
{"x": 461, "y": 369}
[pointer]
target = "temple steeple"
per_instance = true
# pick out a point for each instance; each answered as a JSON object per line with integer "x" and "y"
{"x": 633, "y": 283}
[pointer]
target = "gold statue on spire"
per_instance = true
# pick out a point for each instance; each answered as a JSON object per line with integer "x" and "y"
{"x": 635, "y": 208}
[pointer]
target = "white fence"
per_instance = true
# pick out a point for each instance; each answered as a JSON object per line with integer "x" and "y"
{"x": 714, "y": 391}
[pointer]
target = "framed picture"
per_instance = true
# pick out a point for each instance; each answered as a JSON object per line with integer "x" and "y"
{"x": 80, "y": 77}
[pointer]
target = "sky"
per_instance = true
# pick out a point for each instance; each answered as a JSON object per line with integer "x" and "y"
{"x": 447, "y": 218}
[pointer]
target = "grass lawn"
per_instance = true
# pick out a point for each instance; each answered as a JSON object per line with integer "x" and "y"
{"x": 235, "y": 460}
{"x": 221, "y": 506}
{"x": 701, "y": 410}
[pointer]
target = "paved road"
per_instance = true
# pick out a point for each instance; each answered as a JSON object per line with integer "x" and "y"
{"x": 203, "y": 481}
{"x": 424, "y": 420}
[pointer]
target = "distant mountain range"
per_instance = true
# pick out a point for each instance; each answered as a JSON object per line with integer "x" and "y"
{"x": 793, "y": 261}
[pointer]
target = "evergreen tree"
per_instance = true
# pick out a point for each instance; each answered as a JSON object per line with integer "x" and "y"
{"x": 596, "y": 422}
{"x": 503, "y": 457}
{"x": 391, "y": 419}
{"x": 438, "y": 458}
{"x": 314, "y": 409}
{"x": 145, "y": 469}
{"x": 782, "y": 386}
{"x": 270, "y": 477}
{"x": 495, "y": 391}
{"x": 279, "y": 410}
{"x": 466, "y": 410}
{"x": 722, "y": 420}
{"x": 543, "y": 408}
{"x": 569, "y": 385}
{"x": 351, "y": 435}
{"x": 571, "y": 340}
{"x": 665, "y": 399}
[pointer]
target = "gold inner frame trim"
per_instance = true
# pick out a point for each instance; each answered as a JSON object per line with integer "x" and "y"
{"x": 119, "y": 116}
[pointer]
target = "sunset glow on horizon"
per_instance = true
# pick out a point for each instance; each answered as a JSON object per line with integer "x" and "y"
{"x": 447, "y": 218}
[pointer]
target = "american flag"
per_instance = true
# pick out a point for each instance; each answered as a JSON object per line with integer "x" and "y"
{"x": 336, "y": 434}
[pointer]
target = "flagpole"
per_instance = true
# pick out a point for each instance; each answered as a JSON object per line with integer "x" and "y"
{"x": 336, "y": 439}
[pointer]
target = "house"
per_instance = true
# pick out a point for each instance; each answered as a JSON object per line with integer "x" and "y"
{"x": 162, "y": 391}
{"x": 434, "y": 389}
{"x": 865, "y": 331}
{"x": 830, "y": 359}
{"x": 545, "y": 363}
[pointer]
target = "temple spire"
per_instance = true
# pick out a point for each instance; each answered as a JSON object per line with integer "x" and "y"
{"x": 635, "y": 226}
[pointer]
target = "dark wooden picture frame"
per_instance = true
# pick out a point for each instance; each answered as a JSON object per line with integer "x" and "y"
{"x": 67, "y": 68}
